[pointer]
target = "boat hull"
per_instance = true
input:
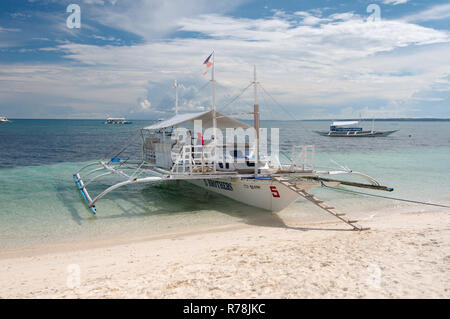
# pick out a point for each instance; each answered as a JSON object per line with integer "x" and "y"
{"x": 262, "y": 193}
{"x": 356, "y": 133}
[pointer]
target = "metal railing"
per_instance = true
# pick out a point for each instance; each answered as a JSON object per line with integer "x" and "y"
{"x": 302, "y": 157}
{"x": 195, "y": 159}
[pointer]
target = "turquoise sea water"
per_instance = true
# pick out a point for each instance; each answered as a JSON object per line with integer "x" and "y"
{"x": 40, "y": 205}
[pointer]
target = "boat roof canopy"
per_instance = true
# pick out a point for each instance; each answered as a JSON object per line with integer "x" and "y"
{"x": 222, "y": 121}
{"x": 344, "y": 123}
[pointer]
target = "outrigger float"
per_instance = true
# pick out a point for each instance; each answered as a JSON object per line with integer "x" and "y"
{"x": 235, "y": 170}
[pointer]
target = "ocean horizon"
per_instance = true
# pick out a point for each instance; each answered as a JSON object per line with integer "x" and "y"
{"x": 382, "y": 119}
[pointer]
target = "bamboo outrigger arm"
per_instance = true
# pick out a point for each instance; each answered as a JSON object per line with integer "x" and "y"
{"x": 354, "y": 184}
{"x": 367, "y": 177}
{"x": 88, "y": 165}
{"x": 156, "y": 175}
{"x": 132, "y": 181}
{"x": 347, "y": 171}
{"x": 94, "y": 170}
{"x": 97, "y": 177}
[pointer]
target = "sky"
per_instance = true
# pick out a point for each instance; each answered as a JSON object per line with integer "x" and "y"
{"x": 318, "y": 59}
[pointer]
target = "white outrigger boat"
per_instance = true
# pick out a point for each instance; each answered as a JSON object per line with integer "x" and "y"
{"x": 352, "y": 129}
{"x": 116, "y": 120}
{"x": 3, "y": 119}
{"x": 235, "y": 170}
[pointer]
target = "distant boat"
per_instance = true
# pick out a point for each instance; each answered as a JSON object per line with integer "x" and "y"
{"x": 117, "y": 120}
{"x": 352, "y": 129}
{"x": 3, "y": 119}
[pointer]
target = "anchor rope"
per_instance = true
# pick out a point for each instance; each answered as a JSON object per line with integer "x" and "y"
{"x": 381, "y": 196}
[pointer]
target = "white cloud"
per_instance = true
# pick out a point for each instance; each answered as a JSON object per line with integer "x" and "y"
{"x": 338, "y": 60}
{"x": 438, "y": 12}
{"x": 145, "y": 105}
{"x": 394, "y": 2}
{"x": 98, "y": 2}
{"x": 152, "y": 19}
{"x": 9, "y": 29}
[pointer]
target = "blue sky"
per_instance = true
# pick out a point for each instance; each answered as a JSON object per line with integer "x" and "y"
{"x": 320, "y": 59}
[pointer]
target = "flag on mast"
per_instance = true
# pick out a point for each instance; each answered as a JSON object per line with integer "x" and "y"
{"x": 209, "y": 62}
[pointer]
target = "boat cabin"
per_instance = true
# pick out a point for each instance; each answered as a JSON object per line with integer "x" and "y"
{"x": 186, "y": 143}
{"x": 345, "y": 126}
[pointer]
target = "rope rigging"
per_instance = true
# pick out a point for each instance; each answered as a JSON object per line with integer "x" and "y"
{"x": 292, "y": 116}
{"x": 381, "y": 196}
{"x": 345, "y": 190}
{"x": 275, "y": 101}
{"x": 236, "y": 97}
{"x": 114, "y": 154}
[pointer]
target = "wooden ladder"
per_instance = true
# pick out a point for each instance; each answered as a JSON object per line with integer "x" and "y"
{"x": 320, "y": 203}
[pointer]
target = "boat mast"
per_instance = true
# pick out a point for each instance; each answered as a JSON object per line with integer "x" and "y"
{"x": 256, "y": 120}
{"x": 213, "y": 102}
{"x": 213, "y": 97}
{"x": 175, "y": 86}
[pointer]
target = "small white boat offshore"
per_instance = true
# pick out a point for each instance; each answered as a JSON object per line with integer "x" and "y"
{"x": 3, "y": 119}
{"x": 116, "y": 120}
{"x": 238, "y": 169}
{"x": 352, "y": 129}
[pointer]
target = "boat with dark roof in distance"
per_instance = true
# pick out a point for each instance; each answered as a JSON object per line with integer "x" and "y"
{"x": 352, "y": 129}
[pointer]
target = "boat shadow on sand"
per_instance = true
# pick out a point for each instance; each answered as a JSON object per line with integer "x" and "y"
{"x": 172, "y": 199}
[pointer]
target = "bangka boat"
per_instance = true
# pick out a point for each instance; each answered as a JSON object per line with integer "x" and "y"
{"x": 116, "y": 120}
{"x": 352, "y": 129}
{"x": 3, "y": 119}
{"x": 238, "y": 170}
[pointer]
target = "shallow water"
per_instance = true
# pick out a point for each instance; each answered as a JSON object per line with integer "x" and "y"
{"x": 40, "y": 204}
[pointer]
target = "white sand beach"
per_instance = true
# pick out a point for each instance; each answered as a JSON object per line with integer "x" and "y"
{"x": 404, "y": 255}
